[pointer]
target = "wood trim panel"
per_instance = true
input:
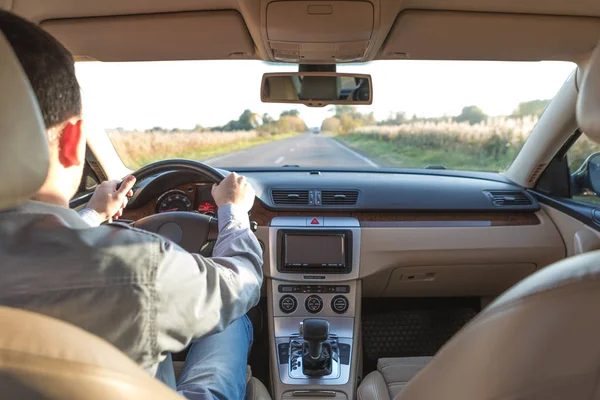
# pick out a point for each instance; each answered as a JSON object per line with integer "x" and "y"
{"x": 399, "y": 219}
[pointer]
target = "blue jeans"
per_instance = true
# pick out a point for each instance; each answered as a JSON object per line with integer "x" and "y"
{"x": 215, "y": 367}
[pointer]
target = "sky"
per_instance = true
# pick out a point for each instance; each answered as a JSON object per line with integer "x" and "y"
{"x": 183, "y": 94}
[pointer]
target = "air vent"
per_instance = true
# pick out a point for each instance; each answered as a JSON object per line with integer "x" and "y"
{"x": 339, "y": 197}
{"x": 509, "y": 198}
{"x": 536, "y": 174}
{"x": 284, "y": 196}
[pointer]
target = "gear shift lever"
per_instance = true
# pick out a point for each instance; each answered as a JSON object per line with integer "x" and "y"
{"x": 316, "y": 349}
{"x": 315, "y": 332}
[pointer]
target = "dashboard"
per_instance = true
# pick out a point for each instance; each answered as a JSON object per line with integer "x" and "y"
{"x": 421, "y": 233}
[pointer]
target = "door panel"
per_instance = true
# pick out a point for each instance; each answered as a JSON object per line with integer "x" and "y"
{"x": 577, "y": 236}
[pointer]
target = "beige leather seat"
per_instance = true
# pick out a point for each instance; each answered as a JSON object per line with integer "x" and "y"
{"x": 539, "y": 340}
{"x": 40, "y": 357}
{"x": 392, "y": 375}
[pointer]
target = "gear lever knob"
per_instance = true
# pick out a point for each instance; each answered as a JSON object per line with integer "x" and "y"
{"x": 315, "y": 331}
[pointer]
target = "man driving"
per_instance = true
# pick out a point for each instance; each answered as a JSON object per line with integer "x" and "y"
{"x": 139, "y": 291}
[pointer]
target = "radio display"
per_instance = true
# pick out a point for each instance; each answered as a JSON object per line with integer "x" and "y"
{"x": 315, "y": 251}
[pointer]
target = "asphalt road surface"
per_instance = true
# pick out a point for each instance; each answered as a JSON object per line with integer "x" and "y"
{"x": 305, "y": 150}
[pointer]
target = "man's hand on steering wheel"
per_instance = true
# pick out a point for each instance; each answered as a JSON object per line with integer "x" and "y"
{"x": 110, "y": 198}
{"x": 234, "y": 190}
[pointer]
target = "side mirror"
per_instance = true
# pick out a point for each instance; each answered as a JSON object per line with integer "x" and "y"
{"x": 587, "y": 177}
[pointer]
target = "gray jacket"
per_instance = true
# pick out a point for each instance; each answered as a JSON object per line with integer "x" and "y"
{"x": 137, "y": 290}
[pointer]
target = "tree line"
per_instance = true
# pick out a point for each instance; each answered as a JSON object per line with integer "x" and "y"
{"x": 348, "y": 118}
{"x": 289, "y": 121}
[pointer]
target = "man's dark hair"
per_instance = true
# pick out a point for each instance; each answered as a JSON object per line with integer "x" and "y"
{"x": 49, "y": 67}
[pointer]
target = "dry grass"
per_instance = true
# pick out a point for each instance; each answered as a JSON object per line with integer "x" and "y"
{"x": 490, "y": 145}
{"x": 140, "y": 148}
{"x": 516, "y": 128}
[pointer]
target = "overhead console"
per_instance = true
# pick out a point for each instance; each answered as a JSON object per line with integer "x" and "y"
{"x": 319, "y": 32}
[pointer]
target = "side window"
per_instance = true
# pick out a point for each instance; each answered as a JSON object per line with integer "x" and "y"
{"x": 89, "y": 181}
{"x": 583, "y": 159}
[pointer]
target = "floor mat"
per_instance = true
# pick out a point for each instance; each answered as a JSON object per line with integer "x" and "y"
{"x": 411, "y": 327}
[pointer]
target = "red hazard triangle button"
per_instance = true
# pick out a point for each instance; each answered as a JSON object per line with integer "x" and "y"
{"x": 315, "y": 222}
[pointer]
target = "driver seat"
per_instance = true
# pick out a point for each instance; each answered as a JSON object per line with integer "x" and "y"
{"x": 41, "y": 357}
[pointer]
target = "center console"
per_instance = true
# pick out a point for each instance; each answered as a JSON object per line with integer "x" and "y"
{"x": 314, "y": 296}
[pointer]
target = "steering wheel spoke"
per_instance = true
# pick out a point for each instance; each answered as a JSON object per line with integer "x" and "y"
{"x": 189, "y": 230}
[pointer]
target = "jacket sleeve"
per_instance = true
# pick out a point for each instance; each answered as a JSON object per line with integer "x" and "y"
{"x": 197, "y": 296}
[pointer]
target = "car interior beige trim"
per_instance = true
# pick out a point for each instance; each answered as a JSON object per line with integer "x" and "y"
{"x": 463, "y": 261}
{"x": 578, "y": 237}
{"x": 100, "y": 145}
{"x": 554, "y": 127}
{"x": 176, "y": 36}
{"x": 535, "y": 22}
{"x": 23, "y": 143}
{"x": 447, "y": 260}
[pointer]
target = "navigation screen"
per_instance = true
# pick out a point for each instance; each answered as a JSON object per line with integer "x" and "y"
{"x": 315, "y": 250}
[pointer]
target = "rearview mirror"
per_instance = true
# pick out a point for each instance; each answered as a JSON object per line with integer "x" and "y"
{"x": 316, "y": 89}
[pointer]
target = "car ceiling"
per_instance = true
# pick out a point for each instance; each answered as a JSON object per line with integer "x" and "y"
{"x": 319, "y": 31}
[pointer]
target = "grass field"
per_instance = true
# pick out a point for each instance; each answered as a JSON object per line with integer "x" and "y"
{"x": 140, "y": 148}
{"x": 489, "y": 146}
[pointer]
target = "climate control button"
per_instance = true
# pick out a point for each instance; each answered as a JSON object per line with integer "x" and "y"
{"x": 340, "y": 304}
{"x": 313, "y": 304}
{"x": 288, "y": 304}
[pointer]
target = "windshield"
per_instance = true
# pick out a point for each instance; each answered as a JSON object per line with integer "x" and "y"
{"x": 425, "y": 114}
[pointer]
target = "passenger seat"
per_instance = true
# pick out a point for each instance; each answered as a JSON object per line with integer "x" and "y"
{"x": 390, "y": 378}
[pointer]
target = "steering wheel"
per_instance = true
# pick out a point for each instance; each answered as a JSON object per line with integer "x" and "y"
{"x": 190, "y": 230}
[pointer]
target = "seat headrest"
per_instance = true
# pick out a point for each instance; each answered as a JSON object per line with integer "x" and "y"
{"x": 588, "y": 100}
{"x": 24, "y": 156}
{"x": 282, "y": 88}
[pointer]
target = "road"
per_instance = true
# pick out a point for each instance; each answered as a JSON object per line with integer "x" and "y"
{"x": 305, "y": 150}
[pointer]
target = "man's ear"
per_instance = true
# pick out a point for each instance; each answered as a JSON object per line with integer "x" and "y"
{"x": 70, "y": 144}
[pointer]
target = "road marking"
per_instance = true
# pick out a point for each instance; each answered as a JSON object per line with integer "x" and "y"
{"x": 354, "y": 153}
{"x": 210, "y": 160}
{"x": 279, "y": 160}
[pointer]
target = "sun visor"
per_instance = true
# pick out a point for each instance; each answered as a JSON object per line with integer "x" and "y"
{"x": 445, "y": 35}
{"x": 588, "y": 100}
{"x": 206, "y": 35}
